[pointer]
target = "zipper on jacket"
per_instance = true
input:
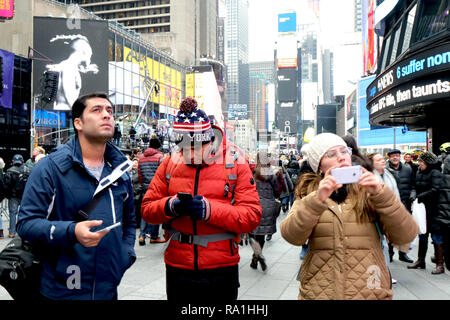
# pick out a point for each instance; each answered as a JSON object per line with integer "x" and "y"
{"x": 194, "y": 223}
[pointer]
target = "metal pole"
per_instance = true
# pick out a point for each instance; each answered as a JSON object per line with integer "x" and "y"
{"x": 394, "y": 138}
{"x": 145, "y": 104}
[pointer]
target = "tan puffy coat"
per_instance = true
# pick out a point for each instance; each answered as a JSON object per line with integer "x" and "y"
{"x": 345, "y": 260}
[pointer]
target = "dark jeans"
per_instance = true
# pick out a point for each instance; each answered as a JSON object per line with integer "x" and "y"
{"x": 213, "y": 285}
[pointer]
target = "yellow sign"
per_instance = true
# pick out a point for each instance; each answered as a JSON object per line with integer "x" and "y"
{"x": 169, "y": 79}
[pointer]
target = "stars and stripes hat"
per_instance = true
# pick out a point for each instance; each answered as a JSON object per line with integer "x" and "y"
{"x": 192, "y": 124}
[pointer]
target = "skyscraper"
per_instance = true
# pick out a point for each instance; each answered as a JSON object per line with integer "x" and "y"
{"x": 236, "y": 51}
{"x": 185, "y": 29}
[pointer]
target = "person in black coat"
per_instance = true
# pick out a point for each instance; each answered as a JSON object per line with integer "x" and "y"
{"x": 428, "y": 184}
{"x": 410, "y": 163}
{"x": 405, "y": 178}
{"x": 443, "y": 217}
{"x": 269, "y": 200}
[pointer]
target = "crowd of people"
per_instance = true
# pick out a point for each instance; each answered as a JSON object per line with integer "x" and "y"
{"x": 206, "y": 198}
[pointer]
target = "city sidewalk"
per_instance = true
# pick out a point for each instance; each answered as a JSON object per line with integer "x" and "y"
{"x": 145, "y": 280}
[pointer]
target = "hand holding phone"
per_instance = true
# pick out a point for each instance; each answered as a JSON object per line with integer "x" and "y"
{"x": 115, "y": 225}
{"x": 347, "y": 175}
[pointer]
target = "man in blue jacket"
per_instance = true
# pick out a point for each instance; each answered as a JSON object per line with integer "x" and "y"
{"x": 80, "y": 263}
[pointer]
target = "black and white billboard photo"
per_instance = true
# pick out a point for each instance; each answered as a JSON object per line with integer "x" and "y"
{"x": 77, "y": 60}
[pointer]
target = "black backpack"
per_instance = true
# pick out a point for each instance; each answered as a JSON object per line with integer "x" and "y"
{"x": 20, "y": 270}
{"x": 15, "y": 180}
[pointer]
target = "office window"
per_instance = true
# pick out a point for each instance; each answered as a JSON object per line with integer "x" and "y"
{"x": 408, "y": 28}
{"x": 395, "y": 44}
{"x": 432, "y": 18}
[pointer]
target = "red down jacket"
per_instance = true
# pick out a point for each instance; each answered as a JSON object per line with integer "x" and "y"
{"x": 209, "y": 181}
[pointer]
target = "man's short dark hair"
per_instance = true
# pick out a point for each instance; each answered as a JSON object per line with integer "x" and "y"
{"x": 80, "y": 104}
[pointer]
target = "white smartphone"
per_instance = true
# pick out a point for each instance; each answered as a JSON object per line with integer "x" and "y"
{"x": 115, "y": 225}
{"x": 347, "y": 175}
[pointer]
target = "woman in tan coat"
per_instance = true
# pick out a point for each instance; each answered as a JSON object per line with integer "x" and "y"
{"x": 345, "y": 260}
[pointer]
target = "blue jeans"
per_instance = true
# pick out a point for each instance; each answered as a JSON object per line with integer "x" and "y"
{"x": 437, "y": 238}
{"x": 13, "y": 207}
{"x": 147, "y": 228}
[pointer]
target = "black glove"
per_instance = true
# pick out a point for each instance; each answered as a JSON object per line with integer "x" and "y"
{"x": 198, "y": 208}
{"x": 173, "y": 207}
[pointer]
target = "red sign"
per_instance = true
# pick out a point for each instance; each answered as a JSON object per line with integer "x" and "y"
{"x": 6, "y": 9}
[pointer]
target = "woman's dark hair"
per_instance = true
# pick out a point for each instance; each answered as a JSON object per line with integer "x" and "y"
{"x": 357, "y": 156}
{"x": 80, "y": 104}
{"x": 262, "y": 168}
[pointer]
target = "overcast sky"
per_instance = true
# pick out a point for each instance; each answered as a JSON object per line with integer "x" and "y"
{"x": 336, "y": 29}
{"x": 336, "y": 17}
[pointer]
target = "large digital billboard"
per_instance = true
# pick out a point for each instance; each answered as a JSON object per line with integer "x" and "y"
{"x": 287, "y": 22}
{"x": 6, "y": 9}
{"x": 78, "y": 53}
{"x": 287, "y": 52}
{"x": 6, "y": 78}
{"x": 287, "y": 84}
{"x": 237, "y": 111}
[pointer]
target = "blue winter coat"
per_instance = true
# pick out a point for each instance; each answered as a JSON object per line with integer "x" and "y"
{"x": 59, "y": 185}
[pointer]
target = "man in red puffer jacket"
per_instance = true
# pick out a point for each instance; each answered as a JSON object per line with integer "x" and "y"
{"x": 204, "y": 227}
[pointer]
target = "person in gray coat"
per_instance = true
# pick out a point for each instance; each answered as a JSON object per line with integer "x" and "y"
{"x": 268, "y": 198}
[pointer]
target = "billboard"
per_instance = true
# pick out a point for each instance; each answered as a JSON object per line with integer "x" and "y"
{"x": 287, "y": 22}
{"x": 287, "y": 120}
{"x": 144, "y": 70}
{"x": 78, "y": 53}
{"x": 368, "y": 36}
{"x": 50, "y": 119}
{"x": 6, "y": 78}
{"x": 6, "y": 9}
{"x": 237, "y": 111}
{"x": 287, "y": 84}
{"x": 287, "y": 52}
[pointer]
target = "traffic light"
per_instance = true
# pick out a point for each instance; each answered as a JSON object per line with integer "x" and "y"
{"x": 1, "y": 75}
{"x": 50, "y": 88}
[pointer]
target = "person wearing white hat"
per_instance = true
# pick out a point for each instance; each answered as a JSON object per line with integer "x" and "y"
{"x": 341, "y": 223}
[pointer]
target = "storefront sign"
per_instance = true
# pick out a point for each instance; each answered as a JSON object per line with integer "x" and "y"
{"x": 50, "y": 119}
{"x": 411, "y": 93}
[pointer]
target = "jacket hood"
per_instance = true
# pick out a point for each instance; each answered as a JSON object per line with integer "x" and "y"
{"x": 150, "y": 152}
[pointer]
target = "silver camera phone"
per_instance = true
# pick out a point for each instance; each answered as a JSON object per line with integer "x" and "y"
{"x": 347, "y": 175}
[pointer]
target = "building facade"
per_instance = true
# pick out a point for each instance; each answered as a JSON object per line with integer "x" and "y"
{"x": 412, "y": 85}
{"x": 184, "y": 29}
{"x": 236, "y": 51}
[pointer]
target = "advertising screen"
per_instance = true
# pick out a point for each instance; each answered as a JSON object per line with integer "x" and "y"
{"x": 287, "y": 22}
{"x": 77, "y": 52}
{"x": 287, "y": 52}
{"x": 6, "y": 9}
{"x": 237, "y": 111}
{"x": 6, "y": 77}
{"x": 287, "y": 84}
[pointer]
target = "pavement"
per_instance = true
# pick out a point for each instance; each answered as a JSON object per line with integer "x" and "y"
{"x": 145, "y": 280}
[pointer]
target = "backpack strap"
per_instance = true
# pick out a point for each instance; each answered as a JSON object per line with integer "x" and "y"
{"x": 120, "y": 170}
{"x": 201, "y": 240}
